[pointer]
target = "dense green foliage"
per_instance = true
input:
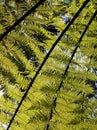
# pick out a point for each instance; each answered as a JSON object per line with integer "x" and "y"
{"x": 57, "y": 99}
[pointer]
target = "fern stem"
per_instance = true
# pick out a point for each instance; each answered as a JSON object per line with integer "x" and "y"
{"x": 66, "y": 70}
{"x": 45, "y": 59}
{"x": 21, "y": 19}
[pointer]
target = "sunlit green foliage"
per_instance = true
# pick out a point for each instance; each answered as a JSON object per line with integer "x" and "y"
{"x": 23, "y": 50}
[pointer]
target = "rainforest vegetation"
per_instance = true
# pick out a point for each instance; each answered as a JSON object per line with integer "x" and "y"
{"x": 48, "y": 64}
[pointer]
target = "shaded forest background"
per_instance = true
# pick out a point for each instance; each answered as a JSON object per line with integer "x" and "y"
{"x": 48, "y": 65}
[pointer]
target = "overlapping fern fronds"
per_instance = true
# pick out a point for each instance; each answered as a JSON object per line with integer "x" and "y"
{"x": 43, "y": 73}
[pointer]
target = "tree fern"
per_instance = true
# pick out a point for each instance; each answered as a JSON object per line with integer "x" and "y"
{"x": 31, "y": 55}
